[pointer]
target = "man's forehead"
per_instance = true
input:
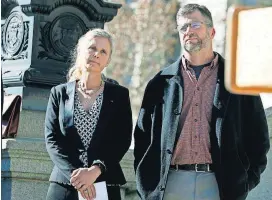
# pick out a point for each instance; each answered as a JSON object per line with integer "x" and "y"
{"x": 194, "y": 16}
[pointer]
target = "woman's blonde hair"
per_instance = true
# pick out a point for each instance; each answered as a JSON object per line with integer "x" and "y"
{"x": 75, "y": 72}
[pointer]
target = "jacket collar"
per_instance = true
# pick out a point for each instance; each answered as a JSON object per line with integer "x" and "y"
{"x": 108, "y": 102}
{"x": 173, "y": 69}
{"x": 69, "y": 104}
{"x": 222, "y": 94}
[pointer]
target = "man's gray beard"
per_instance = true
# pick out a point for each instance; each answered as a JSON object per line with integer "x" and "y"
{"x": 195, "y": 47}
{"x": 190, "y": 47}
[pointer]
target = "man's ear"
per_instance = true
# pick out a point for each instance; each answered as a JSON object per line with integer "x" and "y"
{"x": 212, "y": 33}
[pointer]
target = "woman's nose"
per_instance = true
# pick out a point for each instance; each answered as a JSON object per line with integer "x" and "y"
{"x": 96, "y": 54}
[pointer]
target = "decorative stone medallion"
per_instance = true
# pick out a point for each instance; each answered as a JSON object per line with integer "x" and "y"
{"x": 14, "y": 39}
{"x": 65, "y": 32}
{"x": 61, "y": 36}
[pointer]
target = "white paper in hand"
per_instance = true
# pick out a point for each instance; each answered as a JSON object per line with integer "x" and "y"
{"x": 101, "y": 192}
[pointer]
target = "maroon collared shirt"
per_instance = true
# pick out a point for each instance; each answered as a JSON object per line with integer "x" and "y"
{"x": 193, "y": 146}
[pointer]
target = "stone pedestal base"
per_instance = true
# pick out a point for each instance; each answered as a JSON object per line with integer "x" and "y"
{"x": 26, "y": 168}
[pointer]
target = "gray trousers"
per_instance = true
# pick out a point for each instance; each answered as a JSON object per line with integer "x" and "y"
{"x": 191, "y": 185}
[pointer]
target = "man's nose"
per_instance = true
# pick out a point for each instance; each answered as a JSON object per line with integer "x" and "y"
{"x": 188, "y": 30}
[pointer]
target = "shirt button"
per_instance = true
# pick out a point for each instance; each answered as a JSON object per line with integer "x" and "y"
{"x": 169, "y": 151}
{"x": 196, "y": 104}
{"x": 198, "y": 88}
{"x": 177, "y": 112}
{"x": 195, "y": 120}
{"x": 162, "y": 188}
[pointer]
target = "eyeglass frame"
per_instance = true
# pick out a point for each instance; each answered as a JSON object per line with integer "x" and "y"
{"x": 190, "y": 24}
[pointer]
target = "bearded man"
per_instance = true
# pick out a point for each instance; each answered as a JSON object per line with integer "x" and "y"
{"x": 193, "y": 139}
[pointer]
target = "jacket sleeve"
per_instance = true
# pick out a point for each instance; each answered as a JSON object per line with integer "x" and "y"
{"x": 120, "y": 143}
{"x": 54, "y": 139}
{"x": 142, "y": 132}
{"x": 256, "y": 139}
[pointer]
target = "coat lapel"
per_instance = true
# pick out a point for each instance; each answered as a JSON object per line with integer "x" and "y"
{"x": 106, "y": 108}
{"x": 220, "y": 101}
{"x": 69, "y": 105}
{"x": 173, "y": 98}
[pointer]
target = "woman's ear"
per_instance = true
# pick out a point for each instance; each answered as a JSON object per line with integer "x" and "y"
{"x": 108, "y": 62}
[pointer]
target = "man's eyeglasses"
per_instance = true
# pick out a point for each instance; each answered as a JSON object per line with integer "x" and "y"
{"x": 192, "y": 25}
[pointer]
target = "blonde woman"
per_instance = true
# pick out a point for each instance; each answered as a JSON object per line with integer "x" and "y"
{"x": 88, "y": 125}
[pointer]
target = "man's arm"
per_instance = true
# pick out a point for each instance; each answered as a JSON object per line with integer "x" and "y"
{"x": 142, "y": 132}
{"x": 256, "y": 138}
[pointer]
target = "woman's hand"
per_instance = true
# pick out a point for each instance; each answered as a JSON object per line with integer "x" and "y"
{"x": 88, "y": 193}
{"x": 83, "y": 178}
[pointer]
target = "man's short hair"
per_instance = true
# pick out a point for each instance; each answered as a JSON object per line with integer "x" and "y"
{"x": 190, "y": 8}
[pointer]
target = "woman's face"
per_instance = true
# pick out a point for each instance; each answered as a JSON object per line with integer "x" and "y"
{"x": 95, "y": 53}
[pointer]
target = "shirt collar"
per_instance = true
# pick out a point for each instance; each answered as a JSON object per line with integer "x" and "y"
{"x": 186, "y": 63}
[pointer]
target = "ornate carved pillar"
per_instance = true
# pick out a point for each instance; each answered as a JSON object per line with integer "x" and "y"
{"x": 37, "y": 37}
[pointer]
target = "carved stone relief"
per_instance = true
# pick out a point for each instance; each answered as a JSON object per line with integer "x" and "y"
{"x": 60, "y": 36}
{"x": 15, "y": 34}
